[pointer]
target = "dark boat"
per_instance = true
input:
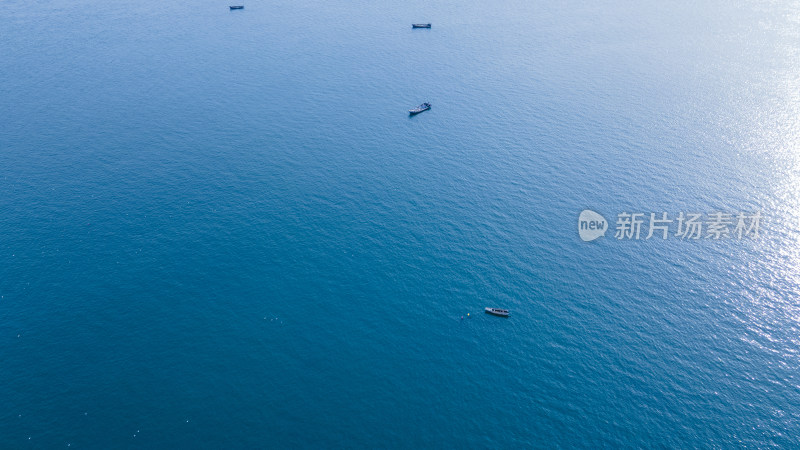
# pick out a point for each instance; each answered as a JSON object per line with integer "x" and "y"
{"x": 497, "y": 312}
{"x": 420, "y": 25}
{"x": 423, "y": 107}
{"x": 237, "y": 7}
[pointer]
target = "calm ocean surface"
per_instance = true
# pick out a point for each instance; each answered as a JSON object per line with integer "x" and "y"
{"x": 221, "y": 229}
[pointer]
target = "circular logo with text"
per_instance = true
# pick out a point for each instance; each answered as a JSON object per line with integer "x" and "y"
{"x": 591, "y": 225}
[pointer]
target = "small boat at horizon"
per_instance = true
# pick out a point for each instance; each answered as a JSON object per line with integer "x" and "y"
{"x": 236, "y": 7}
{"x": 420, "y": 25}
{"x": 497, "y": 312}
{"x": 423, "y": 107}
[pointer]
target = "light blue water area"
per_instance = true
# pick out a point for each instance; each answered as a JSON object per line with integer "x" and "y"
{"x": 222, "y": 229}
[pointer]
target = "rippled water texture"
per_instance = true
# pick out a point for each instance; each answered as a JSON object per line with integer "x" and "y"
{"x": 222, "y": 229}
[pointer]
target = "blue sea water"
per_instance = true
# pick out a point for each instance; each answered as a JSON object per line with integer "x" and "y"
{"x": 221, "y": 228}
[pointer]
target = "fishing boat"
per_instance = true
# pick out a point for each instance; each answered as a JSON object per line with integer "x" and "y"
{"x": 497, "y": 312}
{"x": 420, "y": 25}
{"x": 423, "y": 107}
{"x": 237, "y": 7}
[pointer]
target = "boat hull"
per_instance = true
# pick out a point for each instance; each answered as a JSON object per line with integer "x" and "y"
{"x": 421, "y": 25}
{"x": 497, "y": 312}
{"x": 421, "y": 108}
